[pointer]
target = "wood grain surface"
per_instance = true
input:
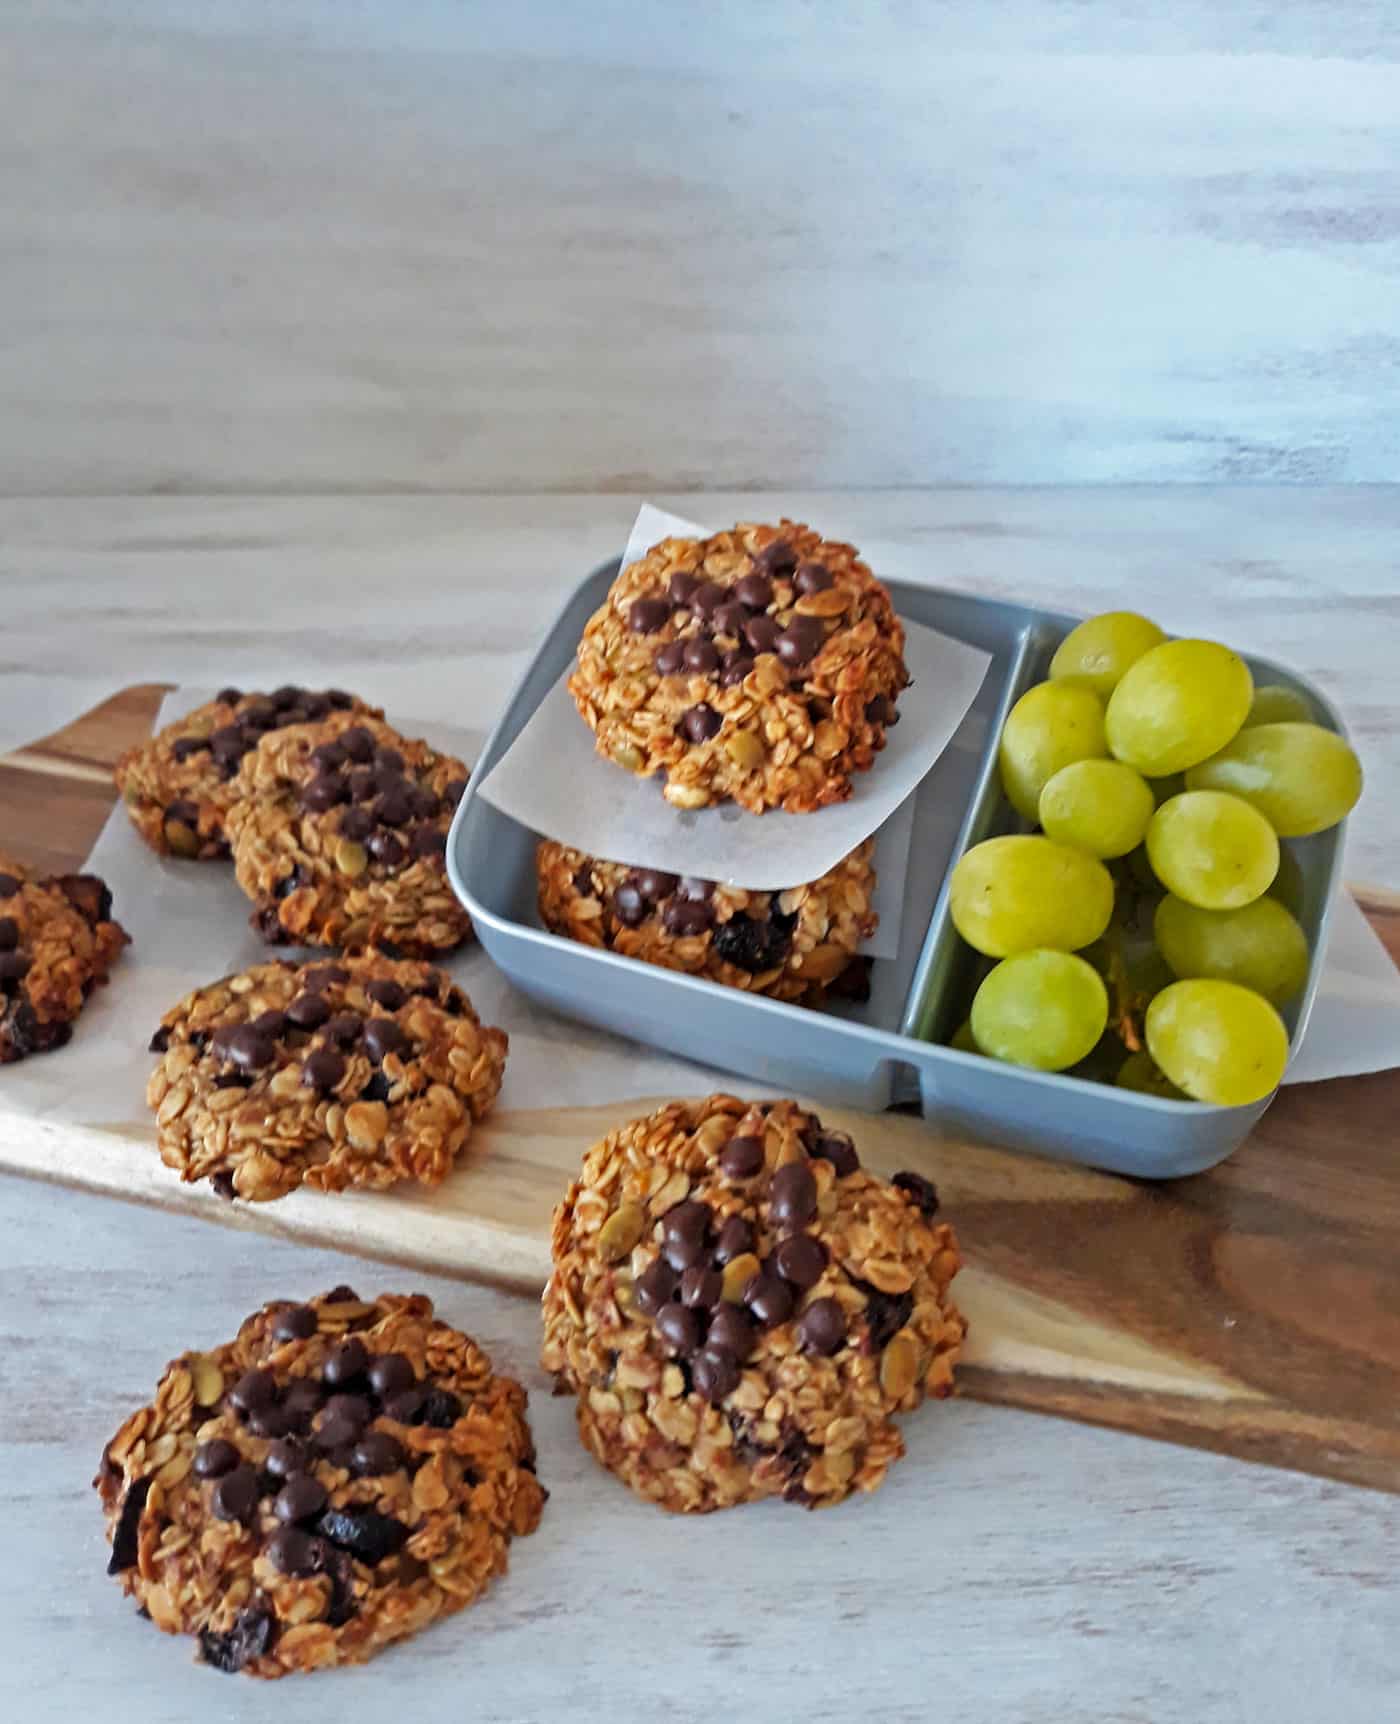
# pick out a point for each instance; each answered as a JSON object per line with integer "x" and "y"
{"x": 1249, "y": 1309}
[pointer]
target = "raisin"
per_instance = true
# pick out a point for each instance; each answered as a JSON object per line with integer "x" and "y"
{"x": 128, "y": 1523}
{"x": 250, "y": 1637}
{"x": 754, "y": 945}
{"x": 364, "y": 1532}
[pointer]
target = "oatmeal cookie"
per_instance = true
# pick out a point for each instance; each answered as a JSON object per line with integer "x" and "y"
{"x": 762, "y": 664}
{"x": 339, "y": 832}
{"x": 57, "y": 942}
{"x": 790, "y": 945}
{"x": 361, "y": 1072}
{"x": 336, "y": 1478}
{"x": 178, "y": 786}
{"x": 740, "y": 1309}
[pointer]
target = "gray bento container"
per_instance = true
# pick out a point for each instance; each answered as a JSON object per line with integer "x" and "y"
{"x": 888, "y": 1050}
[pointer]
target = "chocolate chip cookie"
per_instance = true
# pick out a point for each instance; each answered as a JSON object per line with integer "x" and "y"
{"x": 740, "y": 1309}
{"x": 339, "y": 832}
{"x": 790, "y": 945}
{"x": 361, "y": 1072}
{"x": 57, "y": 942}
{"x": 762, "y": 664}
{"x": 178, "y": 787}
{"x": 336, "y": 1478}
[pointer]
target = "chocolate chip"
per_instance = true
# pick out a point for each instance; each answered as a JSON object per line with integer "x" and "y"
{"x": 269, "y": 1023}
{"x": 646, "y": 616}
{"x": 692, "y": 886}
{"x": 755, "y": 590}
{"x": 653, "y": 884}
{"x": 375, "y": 1454}
{"x": 288, "y": 695}
{"x": 9, "y": 885}
{"x": 255, "y": 1388}
{"x": 329, "y": 757}
{"x": 741, "y": 1157}
{"x": 87, "y": 894}
{"x": 453, "y": 791}
{"x": 406, "y": 1406}
{"x": 881, "y": 710}
{"x": 701, "y": 1287}
{"x": 248, "y": 1049}
{"x": 812, "y": 577}
{"x": 885, "y": 1314}
{"x": 185, "y": 747}
{"x": 441, "y": 1409}
{"x": 428, "y": 841}
{"x": 338, "y": 700}
{"x": 394, "y": 807}
{"x": 222, "y": 1183}
{"x": 386, "y": 849}
{"x": 792, "y": 1195}
{"x": 323, "y": 793}
{"x": 344, "y": 1027}
{"x": 292, "y": 1551}
{"x": 669, "y": 659}
{"x": 384, "y": 1036}
{"x": 260, "y": 714}
{"x": 324, "y": 976}
{"x": 776, "y": 557}
{"x": 251, "y": 1636}
{"x": 686, "y": 916}
{"x": 229, "y": 743}
{"x": 301, "y": 1498}
{"x": 755, "y": 943}
{"x": 771, "y": 1300}
{"x": 707, "y": 598}
{"x": 701, "y": 659}
{"x": 629, "y": 906}
{"x": 335, "y": 1432}
{"x": 377, "y": 1089}
{"x": 715, "y": 1373}
{"x": 386, "y": 992}
{"x": 737, "y": 665}
{"x": 689, "y": 1220}
{"x": 801, "y": 1260}
{"x": 654, "y": 1287}
{"x": 236, "y": 1494}
{"x": 215, "y": 1458}
{"x": 302, "y": 1399}
{"x": 729, "y": 619}
{"x": 364, "y": 1532}
{"x": 837, "y": 1148}
{"x": 735, "y": 1238}
{"x": 733, "y": 1330}
{"x": 346, "y": 1362}
{"x": 9, "y": 933}
{"x": 800, "y": 641}
{"x": 285, "y": 1459}
{"x": 679, "y": 1327}
{"x": 229, "y": 696}
{"x": 29, "y": 1036}
{"x": 358, "y": 744}
{"x": 322, "y": 1070}
{"x": 126, "y": 1536}
{"x": 822, "y": 1326}
{"x": 273, "y": 1421}
{"x": 920, "y": 1192}
{"x": 363, "y": 783}
{"x": 357, "y": 823}
{"x": 391, "y": 1372}
{"x": 340, "y": 1294}
{"x": 682, "y": 588}
{"x": 308, "y": 1012}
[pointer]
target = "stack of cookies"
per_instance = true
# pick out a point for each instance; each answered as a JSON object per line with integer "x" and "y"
{"x": 763, "y": 666}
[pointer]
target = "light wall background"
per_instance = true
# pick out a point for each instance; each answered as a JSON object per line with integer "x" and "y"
{"x": 416, "y": 245}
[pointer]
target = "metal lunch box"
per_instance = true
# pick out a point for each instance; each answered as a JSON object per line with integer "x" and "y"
{"x": 886, "y": 1050}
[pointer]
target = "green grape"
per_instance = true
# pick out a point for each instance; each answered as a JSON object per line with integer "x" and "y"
{"x": 1041, "y": 1008}
{"x": 1260, "y": 946}
{"x": 962, "y": 1038}
{"x": 1163, "y": 789}
{"x": 1100, "y": 806}
{"x": 1219, "y": 1042}
{"x": 1140, "y": 1072}
{"x": 1099, "y": 650}
{"x": 1212, "y": 850}
{"x": 1275, "y": 704}
{"x": 1051, "y": 725}
{"x": 1178, "y": 705}
{"x": 1288, "y": 884}
{"x": 1300, "y": 777}
{"x": 1013, "y": 894}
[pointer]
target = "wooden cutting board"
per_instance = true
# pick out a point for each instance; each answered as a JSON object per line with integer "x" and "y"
{"x": 1254, "y": 1309}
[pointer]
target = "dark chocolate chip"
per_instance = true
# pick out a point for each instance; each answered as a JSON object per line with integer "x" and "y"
{"x": 185, "y": 747}
{"x": 270, "y": 1023}
{"x": 285, "y": 1459}
{"x": 334, "y": 1433}
{"x": 822, "y": 1326}
{"x": 215, "y": 1458}
{"x": 160, "y": 1041}
{"x": 346, "y": 1362}
{"x": 679, "y": 1327}
{"x": 375, "y": 1454}
{"x": 701, "y": 658}
{"x": 323, "y": 793}
{"x": 377, "y": 1089}
{"x": 732, "y": 1329}
{"x": 653, "y": 884}
{"x": 707, "y": 598}
{"x": 921, "y": 1192}
{"x": 426, "y": 806}
{"x": 881, "y": 710}
{"x": 341, "y": 1294}
{"x": 390, "y": 759}
{"x": 248, "y": 1049}
{"x": 654, "y": 1287}
{"x": 344, "y": 1027}
{"x": 394, "y": 807}
{"x": 812, "y": 577}
{"x": 755, "y": 943}
{"x": 87, "y": 894}
{"x": 364, "y": 1532}
{"x": 737, "y": 665}
{"x": 287, "y": 695}
{"x": 776, "y": 558}
{"x": 453, "y": 791}
{"x": 701, "y": 1287}
{"x": 322, "y": 1070}
{"x": 357, "y": 823}
{"x": 800, "y": 1259}
{"x": 735, "y": 1238}
{"x": 229, "y": 743}
{"x": 30, "y": 1036}
{"x": 9, "y": 933}
{"x": 391, "y": 1372}
{"x": 669, "y": 659}
{"x": 384, "y": 1036}
{"x": 837, "y": 1148}
{"x": 302, "y": 1399}
{"x": 686, "y": 916}
{"x": 308, "y": 1012}
{"x": 741, "y": 1158}
{"x": 273, "y": 1421}
{"x": 229, "y": 696}
{"x": 338, "y": 700}
{"x": 754, "y": 590}
{"x": 301, "y": 1499}
{"x": 729, "y": 619}
{"x": 260, "y": 714}
{"x": 9, "y": 885}
{"x": 692, "y": 886}
{"x": 185, "y": 812}
{"x": 629, "y": 906}
{"x": 441, "y": 1409}
{"x": 683, "y": 586}
{"x": 770, "y": 1299}
{"x": 255, "y": 1388}
{"x": 646, "y": 616}
{"x": 792, "y": 1195}
{"x": 292, "y": 1551}
{"x": 800, "y": 641}
{"x": 222, "y": 1184}
{"x": 357, "y": 744}
{"x": 886, "y": 1314}
{"x": 236, "y": 1494}
{"x": 406, "y": 1406}
{"x": 125, "y": 1538}
{"x": 428, "y": 841}
{"x": 251, "y": 1636}
{"x": 363, "y": 784}
{"x": 715, "y": 1373}
{"x": 689, "y": 1220}
{"x": 386, "y": 992}
{"x": 324, "y": 976}
{"x": 329, "y": 757}
{"x": 386, "y": 849}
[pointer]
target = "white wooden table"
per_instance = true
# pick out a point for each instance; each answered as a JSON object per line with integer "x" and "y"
{"x": 1014, "y": 1568}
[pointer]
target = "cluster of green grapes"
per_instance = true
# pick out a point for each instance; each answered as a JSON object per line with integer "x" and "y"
{"x": 1146, "y": 934}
